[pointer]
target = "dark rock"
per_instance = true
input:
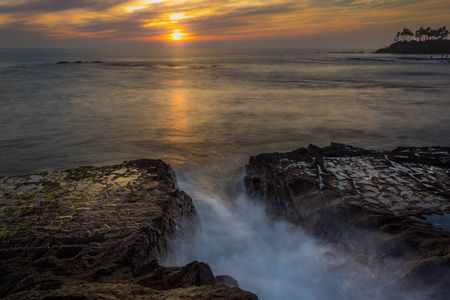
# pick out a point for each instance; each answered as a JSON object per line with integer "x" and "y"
{"x": 63, "y": 62}
{"x": 146, "y": 268}
{"x": 222, "y": 292}
{"x": 432, "y": 156}
{"x": 165, "y": 278}
{"x": 83, "y": 291}
{"x": 91, "y": 231}
{"x": 68, "y": 251}
{"x": 106, "y": 271}
{"x": 373, "y": 205}
{"x": 11, "y": 279}
{"x": 48, "y": 262}
{"x": 226, "y": 280}
{"x": 52, "y": 284}
{"x": 194, "y": 274}
{"x": 416, "y": 47}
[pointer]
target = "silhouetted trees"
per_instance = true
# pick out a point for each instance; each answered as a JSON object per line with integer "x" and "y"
{"x": 422, "y": 34}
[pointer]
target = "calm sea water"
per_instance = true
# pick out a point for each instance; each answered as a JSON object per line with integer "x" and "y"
{"x": 205, "y": 112}
{"x": 194, "y": 107}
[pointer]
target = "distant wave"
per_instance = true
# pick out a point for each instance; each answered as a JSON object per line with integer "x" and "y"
{"x": 346, "y": 52}
{"x": 80, "y": 62}
{"x": 144, "y": 64}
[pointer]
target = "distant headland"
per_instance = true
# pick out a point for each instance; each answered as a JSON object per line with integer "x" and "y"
{"x": 422, "y": 41}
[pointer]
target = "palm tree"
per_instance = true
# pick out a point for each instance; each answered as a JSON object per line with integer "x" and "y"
{"x": 404, "y": 34}
{"x": 410, "y": 34}
{"x": 443, "y": 32}
{"x": 434, "y": 34}
{"x": 428, "y": 32}
{"x": 422, "y": 34}
{"x": 417, "y": 35}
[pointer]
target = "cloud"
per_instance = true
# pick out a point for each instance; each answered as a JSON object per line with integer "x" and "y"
{"x": 367, "y": 3}
{"x": 214, "y": 19}
{"x": 230, "y": 22}
{"x": 55, "y": 5}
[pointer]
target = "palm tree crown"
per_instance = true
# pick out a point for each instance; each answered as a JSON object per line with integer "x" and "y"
{"x": 422, "y": 34}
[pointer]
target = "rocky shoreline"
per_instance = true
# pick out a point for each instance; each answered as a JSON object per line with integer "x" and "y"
{"x": 372, "y": 205}
{"x": 110, "y": 232}
{"x": 102, "y": 233}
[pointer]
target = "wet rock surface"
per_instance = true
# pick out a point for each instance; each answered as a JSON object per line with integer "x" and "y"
{"x": 101, "y": 233}
{"x": 388, "y": 210}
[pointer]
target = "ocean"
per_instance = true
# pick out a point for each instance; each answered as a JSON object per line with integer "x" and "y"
{"x": 205, "y": 112}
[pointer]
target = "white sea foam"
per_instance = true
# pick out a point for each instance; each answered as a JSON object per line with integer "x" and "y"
{"x": 272, "y": 259}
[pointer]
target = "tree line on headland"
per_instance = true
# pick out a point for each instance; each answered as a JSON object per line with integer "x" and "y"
{"x": 422, "y": 41}
{"x": 422, "y": 34}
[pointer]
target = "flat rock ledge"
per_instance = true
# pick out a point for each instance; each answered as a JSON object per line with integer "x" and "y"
{"x": 388, "y": 210}
{"x": 101, "y": 233}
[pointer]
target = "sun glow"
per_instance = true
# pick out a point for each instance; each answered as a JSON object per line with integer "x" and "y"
{"x": 177, "y": 35}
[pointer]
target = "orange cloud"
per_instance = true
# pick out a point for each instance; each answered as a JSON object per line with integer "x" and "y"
{"x": 216, "y": 20}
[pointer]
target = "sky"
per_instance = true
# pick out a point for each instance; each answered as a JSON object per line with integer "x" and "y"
{"x": 140, "y": 24}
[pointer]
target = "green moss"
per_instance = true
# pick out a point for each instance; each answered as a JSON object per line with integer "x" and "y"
{"x": 22, "y": 202}
{"x": 3, "y": 229}
{"x": 48, "y": 228}
{"x": 64, "y": 217}
{"x": 26, "y": 222}
{"x": 82, "y": 172}
{"x": 74, "y": 208}
{"x": 24, "y": 225}
{"x": 52, "y": 195}
{"x": 51, "y": 184}
{"x": 52, "y": 228}
{"x": 24, "y": 196}
{"x": 10, "y": 210}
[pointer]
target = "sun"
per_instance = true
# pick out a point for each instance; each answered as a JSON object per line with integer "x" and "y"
{"x": 177, "y": 35}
